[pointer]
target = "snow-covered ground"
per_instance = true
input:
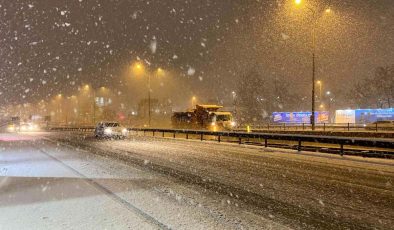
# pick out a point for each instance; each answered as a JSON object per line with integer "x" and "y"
{"x": 46, "y": 185}
{"x": 301, "y": 190}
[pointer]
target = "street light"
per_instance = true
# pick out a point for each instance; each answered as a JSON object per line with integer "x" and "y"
{"x": 314, "y": 23}
{"x": 320, "y": 86}
{"x": 59, "y": 109}
{"x": 139, "y": 69}
{"x": 234, "y": 94}
{"x": 87, "y": 87}
{"x": 160, "y": 72}
{"x": 193, "y": 101}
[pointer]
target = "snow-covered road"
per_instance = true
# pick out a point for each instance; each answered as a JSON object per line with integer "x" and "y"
{"x": 66, "y": 179}
{"x": 44, "y": 185}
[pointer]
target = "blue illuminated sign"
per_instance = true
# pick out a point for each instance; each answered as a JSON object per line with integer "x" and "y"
{"x": 372, "y": 115}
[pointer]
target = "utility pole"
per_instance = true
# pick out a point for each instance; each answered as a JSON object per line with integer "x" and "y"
{"x": 149, "y": 106}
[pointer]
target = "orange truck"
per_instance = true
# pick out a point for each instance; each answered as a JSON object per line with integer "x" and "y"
{"x": 204, "y": 117}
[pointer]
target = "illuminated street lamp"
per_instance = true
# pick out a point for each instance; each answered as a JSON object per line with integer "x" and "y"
{"x": 87, "y": 87}
{"x": 139, "y": 69}
{"x": 59, "y": 109}
{"x": 193, "y": 101}
{"x": 320, "y": 86}
{"x": 160, "y": 72}
{"x": 314, "y": 22}
{"x": 234, "y": 94}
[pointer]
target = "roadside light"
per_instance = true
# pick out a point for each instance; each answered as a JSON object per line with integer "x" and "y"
{"x": 298, "y": 2}
{"x": 137, "y": 68}
{"x": 328, "y": 10}
{"x": 193, "y": 101}
{"x": 248, "y": 129}
{"x": 160, "y": 72}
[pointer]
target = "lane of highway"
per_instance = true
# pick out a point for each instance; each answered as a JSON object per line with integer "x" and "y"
{"x": 306, "y": 190}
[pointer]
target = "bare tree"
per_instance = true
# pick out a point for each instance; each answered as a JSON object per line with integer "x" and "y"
{"x": 259, "y": 95}
{"x": 377, "y": 91}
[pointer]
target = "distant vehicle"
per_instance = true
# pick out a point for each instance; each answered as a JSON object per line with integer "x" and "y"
{"x": 203, "y": 117}
{"x": 22, "y": 127}
{"x": 381, "y": 125}
{"x": 110, "y": 130}
{"x": 28, "y": 127}
{"x": 12, "y": 128}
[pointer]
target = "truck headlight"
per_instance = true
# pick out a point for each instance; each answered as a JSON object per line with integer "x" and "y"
{"x": 213, "y": 123}
{"x": 108, "y": 131}
{"x": 124, "y": 131}
{"x": 233, "y": 123}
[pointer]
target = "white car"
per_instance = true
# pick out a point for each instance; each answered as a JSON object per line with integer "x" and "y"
{"x": 28, "y": 127}
{"x": 110, "y": 130}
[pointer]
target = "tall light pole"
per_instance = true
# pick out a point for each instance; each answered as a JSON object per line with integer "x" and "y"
{"x": 94, "y": 106}
{"x": 87, "y": 87}
{"x": 138, "y": 69}
{"x": 320, "y": 88}
{"x": 234, "y": 94}
{"x": 314, "y": 23}
{"x": 193, "y": 101}
{"x": 59, "y": 96}
{"x": 149, "y": 105}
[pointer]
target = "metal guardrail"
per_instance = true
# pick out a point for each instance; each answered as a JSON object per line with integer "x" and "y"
{"x": 77, "y": 129}
{"x": 319, "y": 127}
{"x": 244, "y": 136}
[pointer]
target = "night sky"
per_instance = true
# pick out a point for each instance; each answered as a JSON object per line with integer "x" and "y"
{"x": 53, "y": 46}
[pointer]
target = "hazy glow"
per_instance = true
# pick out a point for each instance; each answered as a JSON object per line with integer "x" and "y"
{"x": 138, "y": 68}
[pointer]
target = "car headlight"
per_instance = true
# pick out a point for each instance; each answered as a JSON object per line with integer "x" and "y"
{"x": 107, "y": 130}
